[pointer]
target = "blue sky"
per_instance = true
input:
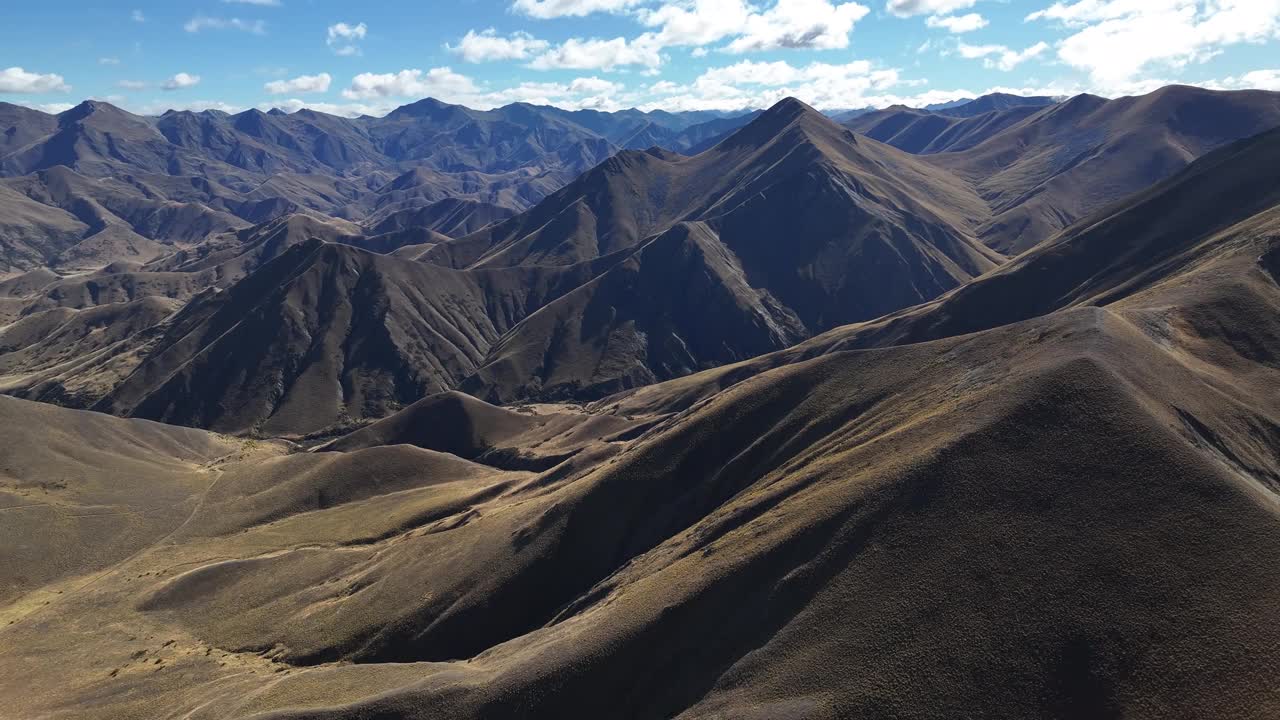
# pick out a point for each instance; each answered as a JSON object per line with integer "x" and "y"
{"x": 351, "y": 58}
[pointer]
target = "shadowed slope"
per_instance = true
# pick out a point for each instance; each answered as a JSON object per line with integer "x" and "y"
{"x": 322, "y": 334}
{"x": 679, "y": 304}
{"x": 801, "y": 226}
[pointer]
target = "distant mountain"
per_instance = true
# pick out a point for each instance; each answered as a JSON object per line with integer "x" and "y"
{"x": 1073, "y": 158}
{"x": 1212, "y": 220}
{"x": 925, "y": 133}
{"x": 650, "y": 266}
{"x": 868, "y": 229}
{"x": 945, "y": 127}
{"x": 256, "y": 166}
{"x": 991, "y": 103}
{"x": 844, "y": 116}
{"x": 60, "y": 218}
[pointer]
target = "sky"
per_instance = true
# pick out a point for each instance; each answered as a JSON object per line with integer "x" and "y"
{"x": 353, "y": 58}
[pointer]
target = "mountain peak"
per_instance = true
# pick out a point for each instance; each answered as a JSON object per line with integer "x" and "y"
{"x": 789, "y": 108}
{"x": 772, "y": 122}
{"x": 87, "y": 108}
{"x": 427, "y": 107}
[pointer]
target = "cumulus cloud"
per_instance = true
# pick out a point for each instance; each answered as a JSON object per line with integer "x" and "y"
{"x": 697, "y": 22}
{"x": 908, "y": 8}
{"x": 301, "y": 84}
{"x": 377, "y": 94}
{"x": 1255, "y": 80}
{"x": 343, "y": 39}
{"x": 51, "y": 108}
{"x": 1000, "y": 57}
{"x": 441, "y": 82}
{"x": 957, "y": 23}
{"x": 545, "y": 9}
{"x": 162, "y": 106}
{"x": 807, "y": 24}
{"x": 180, "y": 81}
{"x": 588, "y": 93}
{"x": 204, "y": 22}
{"x": 595, "y": 54}
{"x": 858, "y": 84}
{"x": 1118, "y": 41}
{"x": 17, "y": 80}
{"x": 749, "y": 84}
{"x": 487, "y": 45}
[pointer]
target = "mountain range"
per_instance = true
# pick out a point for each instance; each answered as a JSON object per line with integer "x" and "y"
{"x": 228, "y": 171}
{"x": 965, "y": 411}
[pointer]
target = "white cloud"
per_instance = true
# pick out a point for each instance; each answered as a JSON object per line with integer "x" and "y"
{"x": 594, "y": 85}
{"x": 999, "y": 57}
{"x": 108, "y": 61}
{"x": 51, "y": 108}
{"x": 595, "y": 54}
{"x": 441, "y": 82}
{"x": 908, "y": 8}
{"x": 1119, "y": 41}
{"x": 957, "y": 23}
{"x": 697, "y": 22}
{"x": 137, "y": 16}
{"x": 582, "y": 93}
{"x": 808, "y": 24}
{"x": 352, "y": 109}
{"x": 855, "y": 85}
{"x": 131, "y": 85}
{"x": 342, "y": 38}
{"x": 1255, "y": 80}
{"x": 373, "y": 93}
{"x": 749, "y": 84}
{"x": 180, "y": 81}
{"x": 487, "y": 45}
{"x": 17, "y": 80}
{"x": 301, "y": 84}
{"x": 204, "y": 22}
{"x": 161, "y": 106}
{"x": 545, "y": 9}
